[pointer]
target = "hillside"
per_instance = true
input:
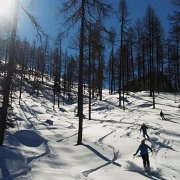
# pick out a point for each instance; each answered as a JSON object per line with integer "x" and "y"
{"x": 43, "y": 143}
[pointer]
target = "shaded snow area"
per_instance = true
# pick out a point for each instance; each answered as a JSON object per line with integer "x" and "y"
{"x": 42, "y": 146}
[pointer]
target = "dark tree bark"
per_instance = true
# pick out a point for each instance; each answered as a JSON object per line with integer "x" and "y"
{"x": 111, "y": 62}
{"x": 80, "y": 81}
{"x": 123, "y": 21}
{"x": 89, "y": 67}
{"x": 8, "y": 78}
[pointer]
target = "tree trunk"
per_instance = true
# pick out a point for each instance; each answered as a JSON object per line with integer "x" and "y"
{"x": 80, "y": 81}
{"x": 89, "y": 73}
{"x": 8, "y": 78}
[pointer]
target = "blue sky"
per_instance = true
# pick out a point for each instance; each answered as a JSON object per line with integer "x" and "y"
{"x": 163, "y": 8}
{"x": 46, "y": 10}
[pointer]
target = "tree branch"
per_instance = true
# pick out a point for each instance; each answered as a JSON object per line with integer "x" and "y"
{"x": 37, "y": 26}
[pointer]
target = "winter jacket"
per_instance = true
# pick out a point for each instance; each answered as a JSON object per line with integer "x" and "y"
{"x": 143, "y": 148}
{"x": 144, "y": 128}
{"x": 161, "y": 114}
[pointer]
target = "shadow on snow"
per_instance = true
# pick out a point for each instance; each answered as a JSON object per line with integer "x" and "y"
{"x": 109, "y": 161}
{"x": 156, "y": 175}
{"x": 9, "y": 157}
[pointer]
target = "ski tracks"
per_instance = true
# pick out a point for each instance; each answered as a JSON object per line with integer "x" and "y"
{"x": 33, "y": 122}
{"x": 104, "y": 148}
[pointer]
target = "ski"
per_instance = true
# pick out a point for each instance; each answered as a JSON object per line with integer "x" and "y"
{"x": 147, "y": 170}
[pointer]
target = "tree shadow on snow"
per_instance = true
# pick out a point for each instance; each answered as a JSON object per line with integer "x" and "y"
{"x": 32, "y": 139}
{"x": 108, "y": 161}
{"x": 157, "y": 145}
{"x": 170, "y": 118}
{"x": 156, "y": 175}
{"x": 29, "y": 138}
{"x": 12, "y": 163}
{"x": 10, "y": 157}
{"x": 145, "y": 105}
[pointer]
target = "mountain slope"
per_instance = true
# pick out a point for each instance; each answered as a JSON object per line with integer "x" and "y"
{"x": 43, "y": 144}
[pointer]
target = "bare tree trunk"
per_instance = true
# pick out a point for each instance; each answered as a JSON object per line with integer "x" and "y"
{"x": 123, "y": 19}
{"x": 60, "y": 61}
{"x": 10, "y": 71}
{"x": 89, "y": 73}
{"x": 80, "y": 81}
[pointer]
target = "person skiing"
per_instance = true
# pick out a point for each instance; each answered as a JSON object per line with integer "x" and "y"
{"x": 162, "y": 115}
{"x": 144, "y": 130}
{"x": 143, "y": 148}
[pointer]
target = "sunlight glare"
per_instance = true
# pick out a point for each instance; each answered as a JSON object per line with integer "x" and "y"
{"x": 5, "y": 7}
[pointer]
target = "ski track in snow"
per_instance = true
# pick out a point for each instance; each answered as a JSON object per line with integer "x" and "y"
{"x": 156, "y": 145}
{"x": 131, "y": 129}
{"x": 34, "y": 122}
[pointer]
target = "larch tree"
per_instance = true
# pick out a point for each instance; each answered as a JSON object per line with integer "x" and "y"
{"x": 10, "y": 70}
{"x": 159, "y": 54}
{"x": 83, "y": 11}
{"x": 11, "y": 64}
{"x": 56, "y": 75}
{"x": 123, "y": 19}
{"x": 150, "y": 35}
{"x": 112, "y": 39}
{"x": 139, "y": 56}
{"x": 89, "y": 67}
{"x": 175, "y": 41}
{"x": 130, "y": 72}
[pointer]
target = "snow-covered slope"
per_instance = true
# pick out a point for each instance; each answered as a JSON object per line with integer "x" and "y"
{"x": 43, "y": 144}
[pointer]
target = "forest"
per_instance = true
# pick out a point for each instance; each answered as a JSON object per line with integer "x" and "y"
{"x": 140, "y": 58}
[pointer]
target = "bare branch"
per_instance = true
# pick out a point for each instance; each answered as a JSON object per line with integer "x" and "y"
{"x": 37, "y": 26}
{"x": 68, "y": 5}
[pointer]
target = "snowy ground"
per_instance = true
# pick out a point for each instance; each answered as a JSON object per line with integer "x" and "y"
{"x": 43, "y": 144}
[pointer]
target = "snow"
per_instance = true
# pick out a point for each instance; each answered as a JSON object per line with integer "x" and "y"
{"x": 43, "y": 143}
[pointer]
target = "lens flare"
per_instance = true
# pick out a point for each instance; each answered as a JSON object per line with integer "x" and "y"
{"x": 5, "y": 7}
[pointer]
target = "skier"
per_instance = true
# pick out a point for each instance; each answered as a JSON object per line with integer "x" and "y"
{"x": 143, "y": 148}
{"x": 162, "y": 115}
{"x": 144, "y": 130}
